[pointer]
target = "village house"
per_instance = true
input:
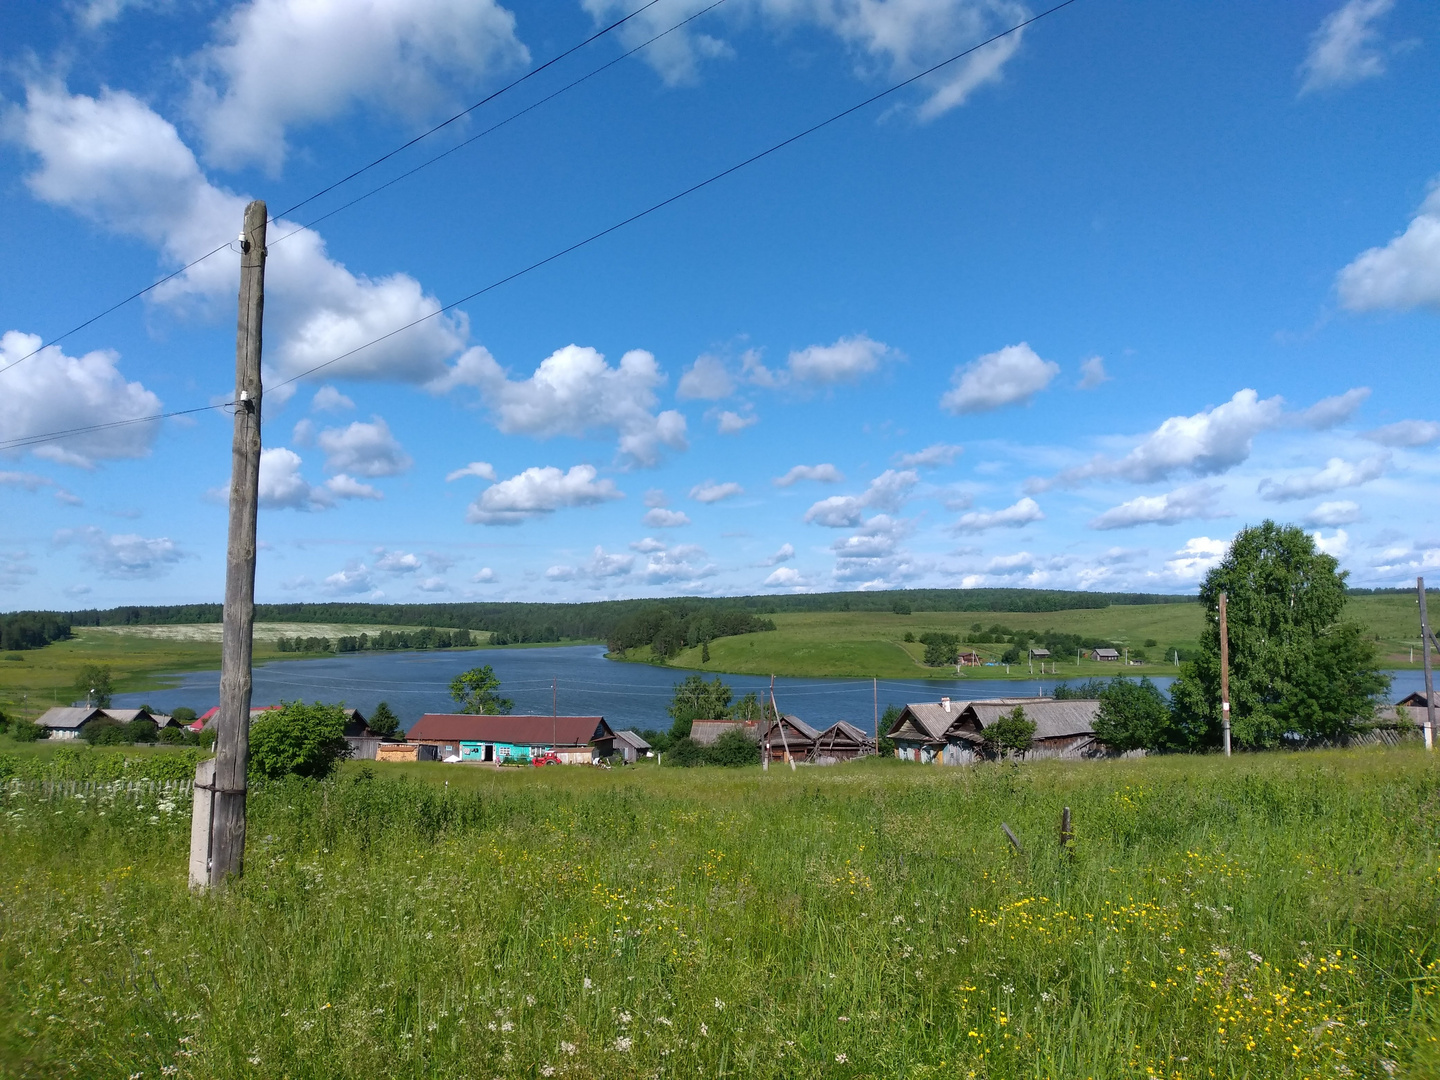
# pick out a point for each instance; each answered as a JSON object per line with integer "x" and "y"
{"x": 1106, "y": 655}
{"x": 67, "y": 722}
{"x": 789, "y": 738}
{"x": 630, "y": 746}
{"x": 968, "y": 659}
{"x": 950, "y": 733}
{"x": 471, "y": 737}
{"x": 1039, "y": 654}
{"x": 841, "y": 741}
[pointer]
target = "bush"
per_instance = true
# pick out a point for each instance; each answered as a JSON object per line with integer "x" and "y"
{"x": 103, "y": 731}
{"x": 298, "y": 740}
{"x": 142, "y": 731}
{"x": 686, "y": 753}
{"x": 22, "y": 730}
{"x": 177, "y": 736}
{"x": 1011, "y": 655}
{"x": 183, "y": 715}
{"x": 733, "y": 749}
{"x": 909, "y": 635}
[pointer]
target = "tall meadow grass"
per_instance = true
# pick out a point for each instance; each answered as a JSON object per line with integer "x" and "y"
{"x": 1271, "y": 915}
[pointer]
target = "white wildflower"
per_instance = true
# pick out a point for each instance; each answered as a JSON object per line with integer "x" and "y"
{"x": 703, "y": 1029}
{"x": 662, "y": 1020}
{"x": 530, "y": 999}
{"x": 547, "y": 1070}
{"x": 588, "y": 983}
{"x": 719, "y": 1005}
{"x": 840, "y": 1059}
{"x": 567, "y": 1047}
{"x": 624, "y": 1018}
{"x": 623, "y": 1044}
{"x": 507, "y": 1026}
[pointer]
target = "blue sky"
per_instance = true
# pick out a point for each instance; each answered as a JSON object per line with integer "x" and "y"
{"x": 1067, "y": 313}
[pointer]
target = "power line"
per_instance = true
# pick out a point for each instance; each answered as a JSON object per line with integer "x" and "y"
{"x": 653, "y": 208}
{"x": 346, "y": 179}
{"x": 497, "y": 126}
{"x": 682, "y": 194}
{"x": 55, "y": 436}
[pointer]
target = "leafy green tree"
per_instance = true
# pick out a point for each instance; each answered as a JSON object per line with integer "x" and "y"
{"x": 686, "y": 753}
{"x": 142, "y": 731}
{"x": 733, "y": 749}
{"x": 183, "y": 715}
{"x": 177, "y": 736}
{"x": 1011, "y": 655}
{"x": 383, "y": 720}
{"x": 1089, "y": 690}
{"x": 94, "y": 684}
{"x": 900, "y": 607}
{"x": 1132, "y": 716}
{"x": 298, "y": 740}
{"x": 1013, "y": 732}
{"x": 1295, "y": 665}
{"x": 705, "y": 652}
{"x": 887, "y": 721}
{"x": 475, "y": 692}
{"x": 696, "y": 699}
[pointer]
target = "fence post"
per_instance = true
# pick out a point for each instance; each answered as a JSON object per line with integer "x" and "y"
{"x": 201, "y": 824}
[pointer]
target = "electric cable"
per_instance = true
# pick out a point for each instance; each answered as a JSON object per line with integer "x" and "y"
{"x": 343, "y": 180}
{"x": 592, "y": 238}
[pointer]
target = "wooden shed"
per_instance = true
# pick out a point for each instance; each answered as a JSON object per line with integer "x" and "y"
{"x": 1063, "y": 729}
{"x": 404, "y": 751}
{"x": 630, "y": 746}
{"x": 1105, "y": 655}
{"x": 705, "y": 732}
{"x": 841, "y": 741}
{"x": 788, "y": 738}
{"x": 968, "y": 659}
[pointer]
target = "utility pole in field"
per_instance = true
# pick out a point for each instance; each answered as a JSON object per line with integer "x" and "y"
{"x": 217, "y": 833}
{"x": 1224, "y": 675}
{"x": 1425, "y": 638}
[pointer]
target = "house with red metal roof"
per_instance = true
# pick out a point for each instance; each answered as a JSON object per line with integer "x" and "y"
{"x": 471, "y": 737}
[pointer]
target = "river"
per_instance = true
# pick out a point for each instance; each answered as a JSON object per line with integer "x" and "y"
{"x": 584, "y": 684}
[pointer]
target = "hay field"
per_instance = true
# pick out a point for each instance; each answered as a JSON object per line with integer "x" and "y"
{"x": 1273, "y": 915}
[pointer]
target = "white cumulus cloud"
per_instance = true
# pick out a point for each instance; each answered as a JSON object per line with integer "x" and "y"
{"x": 1198, "y": 556}
{"x": 1337, "y": 545}
{"x": 114, "y": 161}
{"x": 1182, "y": 504}
{"x": 122, "y": 555}
{"x": 283, "y": 487}
{"x": 786, "y": 577}
{"x": 1403, "y": 274}
{"x": 711, "y": 492}
{"x": 932, "y": 457}
{"x": 1008, "y": 376}
{"x": 785, "y": 553}
{"x": 1337, "y": 473}
{"x": 575, "y": 392}
{"x": 328, "y": 399}
{"x": 1347, "y": 48}
{"x": 54, "y": 392}
{"x": 1406, "y": 433}
{"x": 367, "y": 449}
{"x": 729, "y": 423}
{"x": 660, "y": 518}
{"x": 847, "y": 360}
{"x": 538, "y": 491}
{"x": 280, "y": 63}
{"x": 707, "y": 380}
{"x": 1014, "y": 516}
{"x": 1332, "y": 513}
{"x": 483, "y": 469}
{"x": 1208, "y": 442}
{"x": 887, "y": 493}
{"x": 824, "y": 473}
{"x": 1093, "y": 373}
{"x": 1330, "y": 411}
{"x": 891, "y": 40}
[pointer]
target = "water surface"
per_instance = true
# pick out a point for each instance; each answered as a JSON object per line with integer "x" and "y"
{"x": 584, "y": 684}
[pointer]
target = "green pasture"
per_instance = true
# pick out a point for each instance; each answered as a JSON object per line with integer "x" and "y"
{"x": 1269, "y": 915}
{"x": 863, "y": 644}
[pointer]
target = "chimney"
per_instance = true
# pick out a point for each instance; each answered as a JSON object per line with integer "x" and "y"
{"x": 945, "y": 703}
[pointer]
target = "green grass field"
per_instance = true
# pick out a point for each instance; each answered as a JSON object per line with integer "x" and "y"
{"x": 864, "y": 644}
{"x": 1269, "y": 916}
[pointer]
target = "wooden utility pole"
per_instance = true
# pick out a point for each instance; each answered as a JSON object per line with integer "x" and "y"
{"x": 220, "y": 784}
{"x": 1224, "y": 675}
{"x": 1425, "y": 650}
{"x": 876, "y": 687}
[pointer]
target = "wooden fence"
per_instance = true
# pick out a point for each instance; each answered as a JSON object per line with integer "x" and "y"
{"x": 100, "y": 789}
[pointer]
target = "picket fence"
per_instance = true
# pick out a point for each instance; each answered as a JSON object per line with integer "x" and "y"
{"x": 100, "y": 789}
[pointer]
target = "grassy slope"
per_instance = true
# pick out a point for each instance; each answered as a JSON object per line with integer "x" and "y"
{"x": 1274, "y": 915}
{"x": 864, "y": 644}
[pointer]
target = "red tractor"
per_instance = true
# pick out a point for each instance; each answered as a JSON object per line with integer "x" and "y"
{"x": 547, "y": 758}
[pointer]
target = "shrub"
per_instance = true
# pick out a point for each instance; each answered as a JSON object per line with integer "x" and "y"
{"x": 909, "y": 635}
{"x": 22, "y": 730}
{"x": 733, "y": 749}
{"x": 298, "y": 740}
{"x": 143, "y": 731}
{"x": 177, "y": 736}
{"x": 686, "y": 753}
{"x": 103, "y": 731}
